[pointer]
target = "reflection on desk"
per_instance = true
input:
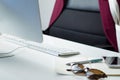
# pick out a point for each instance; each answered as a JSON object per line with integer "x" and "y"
{"x": 28, "y": 64}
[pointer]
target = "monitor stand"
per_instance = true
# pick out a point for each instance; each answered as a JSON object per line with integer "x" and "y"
{"x": 7, "y": 48}
{"x": 6, "y": 55}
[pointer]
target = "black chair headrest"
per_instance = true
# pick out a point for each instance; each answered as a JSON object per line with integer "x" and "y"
{"x": 90, "y": 5}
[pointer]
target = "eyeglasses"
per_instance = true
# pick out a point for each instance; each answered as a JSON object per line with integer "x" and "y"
{"x": 92, "y": 74}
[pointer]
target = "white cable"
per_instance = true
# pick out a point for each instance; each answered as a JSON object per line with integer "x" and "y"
{"x": 11, "y": 50}
{"x": 9, "y": 54}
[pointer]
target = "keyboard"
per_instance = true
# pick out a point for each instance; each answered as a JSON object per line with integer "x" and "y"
{"x": 46, "y": 48}
{"x": 52, "y": 50}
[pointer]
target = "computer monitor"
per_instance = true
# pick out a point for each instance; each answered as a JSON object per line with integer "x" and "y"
{"x": 21, "y": 18}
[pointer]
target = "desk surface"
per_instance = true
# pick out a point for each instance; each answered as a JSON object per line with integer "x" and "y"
{"x": 28, "y": 64}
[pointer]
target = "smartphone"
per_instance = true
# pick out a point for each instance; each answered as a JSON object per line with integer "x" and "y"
{"x": 112, "y": 61}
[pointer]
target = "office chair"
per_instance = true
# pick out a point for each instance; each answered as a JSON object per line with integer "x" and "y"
{"x": 80, "y": 21}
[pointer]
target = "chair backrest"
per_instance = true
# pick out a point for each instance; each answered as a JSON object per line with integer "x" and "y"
{"x": 82, "y": 16}
{"x": 80, "y": 21}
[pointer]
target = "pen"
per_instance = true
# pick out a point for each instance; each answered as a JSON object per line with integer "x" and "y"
{"x": 85, "y": 62}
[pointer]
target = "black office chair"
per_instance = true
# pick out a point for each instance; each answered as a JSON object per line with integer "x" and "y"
{"x": 80, "y": 21}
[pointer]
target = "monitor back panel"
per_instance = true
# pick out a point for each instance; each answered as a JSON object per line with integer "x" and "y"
{"x": 21, "y": 18}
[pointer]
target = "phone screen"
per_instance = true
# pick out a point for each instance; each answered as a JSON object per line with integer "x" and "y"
{"x": 112, "y": 61}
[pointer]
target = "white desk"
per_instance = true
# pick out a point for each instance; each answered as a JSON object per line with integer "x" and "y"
{"x": 29, "y": 64}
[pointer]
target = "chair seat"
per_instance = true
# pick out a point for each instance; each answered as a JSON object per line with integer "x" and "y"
{"x": 85, "y": 38}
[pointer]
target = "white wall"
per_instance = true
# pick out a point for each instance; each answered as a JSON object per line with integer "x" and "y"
{"x": 46, "y": 8}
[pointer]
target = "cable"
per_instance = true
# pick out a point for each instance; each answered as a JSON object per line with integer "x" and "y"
{"x": 8, "y": 54}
